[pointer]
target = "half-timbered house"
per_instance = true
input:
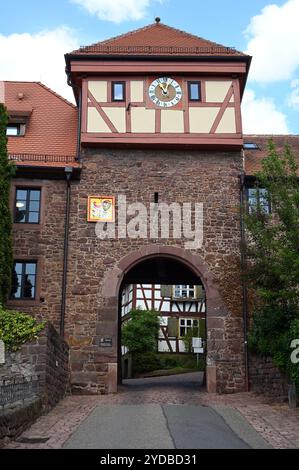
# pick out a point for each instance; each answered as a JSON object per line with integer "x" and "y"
{"x": 181, "y": 309}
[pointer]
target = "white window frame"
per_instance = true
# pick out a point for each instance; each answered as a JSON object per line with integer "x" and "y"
{"x": 184, "y": 291}
{"x": 184, "y": 324}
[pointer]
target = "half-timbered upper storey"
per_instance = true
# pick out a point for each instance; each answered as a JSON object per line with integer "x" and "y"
{"x": 159, "y": 86}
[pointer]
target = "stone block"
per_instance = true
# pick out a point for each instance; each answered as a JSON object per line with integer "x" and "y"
{"x": 211, "y": 379}
{"x": 112, "y": 377}
{"x": 2, "y": 352}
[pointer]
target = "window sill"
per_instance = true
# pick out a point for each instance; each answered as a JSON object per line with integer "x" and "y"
{"x": 185, "y": 299}
{"x": 23, "y": 303}
{"x": 20, "y": 226}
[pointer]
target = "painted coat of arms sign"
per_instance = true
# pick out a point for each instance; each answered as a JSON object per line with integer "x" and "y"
{"x": 101, "y": 209}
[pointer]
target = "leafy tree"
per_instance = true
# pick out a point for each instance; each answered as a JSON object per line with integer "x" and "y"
{"x": 6, "y": 173}
{"x": 273, "y": 261}
{"x": 140, "y": 333}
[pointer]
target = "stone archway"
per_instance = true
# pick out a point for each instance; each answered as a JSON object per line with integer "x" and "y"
{"x": 216, "y": 310}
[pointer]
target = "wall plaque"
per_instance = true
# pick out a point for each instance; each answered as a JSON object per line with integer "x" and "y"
{"x": 106, "y": 342}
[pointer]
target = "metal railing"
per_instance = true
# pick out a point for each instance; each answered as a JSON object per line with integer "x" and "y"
{"x": 18, "y": 389}
{"x": 24, "y": 157}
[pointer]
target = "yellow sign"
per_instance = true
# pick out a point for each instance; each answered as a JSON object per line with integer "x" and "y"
{"x": 101, "y": 209}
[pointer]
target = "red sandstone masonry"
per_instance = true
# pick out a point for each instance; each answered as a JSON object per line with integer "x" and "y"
{"x": 211, "y": 178}
{"x": 186, "y": 176}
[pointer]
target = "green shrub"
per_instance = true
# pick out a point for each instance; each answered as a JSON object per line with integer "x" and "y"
{"x": 17, "y": 328}
{"x": 145, "y": 362}
{"x": 150, "y": 361}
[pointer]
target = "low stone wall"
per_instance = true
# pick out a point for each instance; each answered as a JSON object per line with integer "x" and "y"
{"x": 41, "y": 367}
{"x": 265, "y": 378}
{"x": 15, "y": 420}
{"x": 46, "y": 358}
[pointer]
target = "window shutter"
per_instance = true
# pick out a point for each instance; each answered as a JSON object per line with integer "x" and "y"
{"x": 166, "y": 290}
{"x": 173, "y": 325}
{"x": 199, "y": 293}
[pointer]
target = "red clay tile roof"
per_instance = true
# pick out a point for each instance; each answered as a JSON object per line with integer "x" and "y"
{"x": 253, "y": 158}
{"x": 51, "y": 130}
{"x": 158, "y": 39}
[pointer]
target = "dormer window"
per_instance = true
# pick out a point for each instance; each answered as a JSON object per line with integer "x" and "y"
{"x": 118, "y": 91}
{"x": 251, "y": 146}
{"x": 13, "y": 130}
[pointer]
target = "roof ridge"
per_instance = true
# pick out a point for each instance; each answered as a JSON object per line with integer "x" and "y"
{"x": 45, "y": 87}
{"x": 20, "y": 81}
{"x": 153, "y": 25}
{"x": 195, "y": 36}
{"x": 123, "y": 35}
{"x": 129, "y": 33}
{"x": 56, "y": 94}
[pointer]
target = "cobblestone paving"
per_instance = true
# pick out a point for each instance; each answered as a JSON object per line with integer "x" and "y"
{"x": 276, "y": 423}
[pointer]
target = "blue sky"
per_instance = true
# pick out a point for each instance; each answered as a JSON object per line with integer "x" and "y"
{"x": 33, "y": 30}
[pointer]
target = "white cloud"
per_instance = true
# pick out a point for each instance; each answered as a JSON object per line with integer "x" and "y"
{"x": 38, "y": 57}
{"x": 260, "y": 116}
{"x": 293, "y": 99}
{"x": 116, "y": 10}
{"x": 274, "y": 42}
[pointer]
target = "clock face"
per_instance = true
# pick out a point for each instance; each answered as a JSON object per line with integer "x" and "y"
{"x": 165, "y": 92}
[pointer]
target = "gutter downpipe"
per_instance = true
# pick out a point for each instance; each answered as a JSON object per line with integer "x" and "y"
{"x": 74, "y": 85}
{"x": 68, "y": 173}
{"x": 244, "y": 287}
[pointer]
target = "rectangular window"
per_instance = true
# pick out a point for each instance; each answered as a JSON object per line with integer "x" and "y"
{"x": 27, "y": 206}
{"x": 184, "y": 291}
{"x": 118, "y": 91}
{"x": 194, "y": 91}
{"x": 187, "y": 324}
{"x": 258, "y": 200}
{"x": 23, "y": 285}
{"x": 13, "y": 130}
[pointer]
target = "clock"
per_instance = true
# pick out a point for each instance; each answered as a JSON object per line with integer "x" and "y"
{"x": 165, "y": 92}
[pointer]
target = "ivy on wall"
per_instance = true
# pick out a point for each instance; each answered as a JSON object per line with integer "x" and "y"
{"x": 6, "y": 173}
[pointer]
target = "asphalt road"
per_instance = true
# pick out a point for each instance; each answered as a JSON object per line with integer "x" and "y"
{"x": 168, "y": 426}
{"x": 154, "y": 427}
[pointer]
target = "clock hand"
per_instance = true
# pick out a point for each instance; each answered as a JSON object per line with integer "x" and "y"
{"x": 163, "y": 88}
{"x": 167, "y": 84}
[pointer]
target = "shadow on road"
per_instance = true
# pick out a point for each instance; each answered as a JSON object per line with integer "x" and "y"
{"x": 190, "y": 381}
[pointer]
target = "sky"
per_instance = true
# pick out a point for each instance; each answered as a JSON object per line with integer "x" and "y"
{"x": 35, "y": 35}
